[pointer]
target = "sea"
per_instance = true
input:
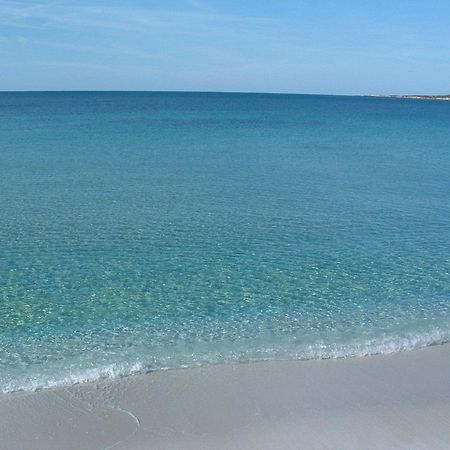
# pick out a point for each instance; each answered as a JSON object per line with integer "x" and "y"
{"x": 144, "y": 231}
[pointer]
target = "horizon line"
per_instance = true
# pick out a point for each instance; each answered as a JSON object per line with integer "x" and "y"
{"x": 187, "y": 91}
{"x": 183, "y": 91}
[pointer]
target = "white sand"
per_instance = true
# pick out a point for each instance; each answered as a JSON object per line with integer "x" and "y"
{"x": 399, "y": 401}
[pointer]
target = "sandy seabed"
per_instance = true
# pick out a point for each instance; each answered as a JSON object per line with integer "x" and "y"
{"x": 398, "y": 401}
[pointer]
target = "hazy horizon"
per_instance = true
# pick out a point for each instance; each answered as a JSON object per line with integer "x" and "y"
{"x": 180, "y": 91}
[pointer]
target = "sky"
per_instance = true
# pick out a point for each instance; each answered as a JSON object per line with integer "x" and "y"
{"x": 306, "y": 46}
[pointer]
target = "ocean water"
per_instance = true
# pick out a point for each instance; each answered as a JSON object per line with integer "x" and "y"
{"x": 144, "y": 231}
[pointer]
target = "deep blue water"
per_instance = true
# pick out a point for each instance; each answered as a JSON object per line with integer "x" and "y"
{"x": 141, "y": 231}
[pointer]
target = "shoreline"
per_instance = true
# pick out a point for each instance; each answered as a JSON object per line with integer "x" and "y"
{"x": 399, "y": 400}
{"x": 414, "y": 97}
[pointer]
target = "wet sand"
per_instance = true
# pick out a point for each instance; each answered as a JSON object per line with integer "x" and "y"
{"x": 399, "y": 401}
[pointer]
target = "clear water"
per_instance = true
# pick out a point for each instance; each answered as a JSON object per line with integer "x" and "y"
{"x": 142, "y": 231}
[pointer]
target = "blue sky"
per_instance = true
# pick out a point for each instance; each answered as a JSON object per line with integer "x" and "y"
{"x": 303, "y": 46}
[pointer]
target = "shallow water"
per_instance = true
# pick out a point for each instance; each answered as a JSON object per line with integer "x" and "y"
{"x": 141, "y": 231}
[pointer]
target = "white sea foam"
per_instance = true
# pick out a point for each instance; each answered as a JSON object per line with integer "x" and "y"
{"x": 82, "y": 376}
{"x": 320, "y": 350}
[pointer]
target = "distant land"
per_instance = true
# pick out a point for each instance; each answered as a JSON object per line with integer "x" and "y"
{"x": 419, "y": 97}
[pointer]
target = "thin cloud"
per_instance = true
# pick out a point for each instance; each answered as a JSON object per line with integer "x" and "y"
{"x": 54, "y": 14}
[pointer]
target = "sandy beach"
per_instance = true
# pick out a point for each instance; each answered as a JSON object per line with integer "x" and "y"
{"x": 388, "y": 401}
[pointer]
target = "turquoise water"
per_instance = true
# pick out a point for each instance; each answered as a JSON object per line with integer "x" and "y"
{"x": 142, "y": 231}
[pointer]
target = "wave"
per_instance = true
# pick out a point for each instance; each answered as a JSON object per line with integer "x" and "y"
{"x": 320, "y": 350}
